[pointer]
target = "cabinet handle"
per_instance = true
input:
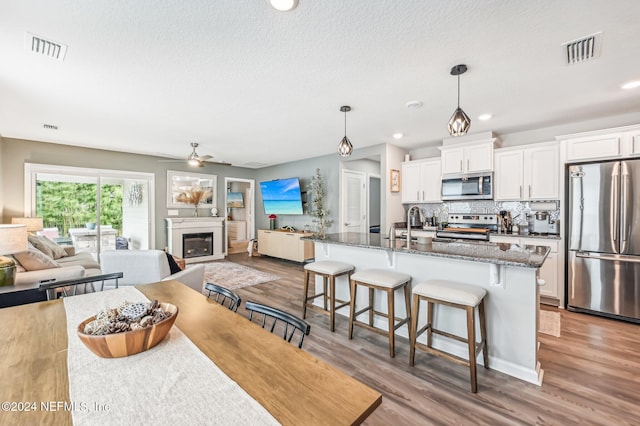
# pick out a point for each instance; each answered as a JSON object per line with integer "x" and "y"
{"x": 529, "y": 191}
{"x": 460, "y": 165}
{"x": 467, "y": 165}
{"x": 521, "y": 192}
{"x": 418, "y": 195}
{"x": 422, "y": 195}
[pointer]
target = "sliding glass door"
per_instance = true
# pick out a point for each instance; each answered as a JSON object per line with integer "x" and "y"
{"x": 93, "y": 210}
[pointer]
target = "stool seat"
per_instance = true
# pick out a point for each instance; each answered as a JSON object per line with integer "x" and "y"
{"x": 328, "y": 267}
{"x": 451, "y": 291}
{"x": 329, "y": 270}
{"x": 381, "y": 278}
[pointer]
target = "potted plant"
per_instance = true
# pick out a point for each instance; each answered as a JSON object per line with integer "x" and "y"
{"x": 272, "y": 221}
{"x": 318, "y": 209}
{"x": 194, "y": 196}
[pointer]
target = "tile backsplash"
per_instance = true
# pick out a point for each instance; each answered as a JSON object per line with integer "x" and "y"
{"x": 518, "y": 209}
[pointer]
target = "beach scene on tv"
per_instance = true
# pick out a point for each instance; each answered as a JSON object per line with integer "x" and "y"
{"x": 281, "y": 196}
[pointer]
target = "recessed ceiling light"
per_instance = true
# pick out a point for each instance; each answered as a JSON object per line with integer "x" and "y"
{"x": 398, "y": 135}
{"x": 414, "y": 104}
{"x": 484, "y": 117}
{"x": 284, "y": 5}
{"x": 631, "y": 84}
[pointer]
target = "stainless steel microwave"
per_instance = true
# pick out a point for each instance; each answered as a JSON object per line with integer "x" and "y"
{"x": 477, "y": 186}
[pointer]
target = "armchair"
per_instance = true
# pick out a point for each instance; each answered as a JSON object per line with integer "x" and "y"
{"x": 148, "y": 266}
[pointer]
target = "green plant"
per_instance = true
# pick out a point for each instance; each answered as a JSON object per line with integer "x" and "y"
{"x": 317, "y": 209}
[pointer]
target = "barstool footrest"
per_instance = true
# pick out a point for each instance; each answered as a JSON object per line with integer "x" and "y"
{"x": 443, "y": 354}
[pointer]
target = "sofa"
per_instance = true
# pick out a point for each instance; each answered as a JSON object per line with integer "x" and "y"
{"x": 149, "y": 266}
{"x": 46, "y": 261}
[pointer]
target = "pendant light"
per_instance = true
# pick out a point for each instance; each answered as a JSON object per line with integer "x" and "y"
{"x": 460, "y": 122}
{"x": 345, "y": 148}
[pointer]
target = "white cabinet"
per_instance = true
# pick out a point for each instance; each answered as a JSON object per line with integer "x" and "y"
{"x": 285, "y": 245}
{"x": 421, "y": 181}
{"x": 509, "y": 174}
{"x": 530, "y": 173}
{"x": 633, "y": 139}
{"x": 472, "y": 158}
{"x": 595, "y": 146}
{"x": 549, "y": 270}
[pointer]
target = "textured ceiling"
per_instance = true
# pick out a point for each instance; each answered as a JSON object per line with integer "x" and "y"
{"x": 251, "y": 84}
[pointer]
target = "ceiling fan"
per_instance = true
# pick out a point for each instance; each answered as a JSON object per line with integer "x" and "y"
{"x": 196, "y": 160}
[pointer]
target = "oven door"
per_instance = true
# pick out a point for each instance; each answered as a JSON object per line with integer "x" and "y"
{"x": 467, "y": 187}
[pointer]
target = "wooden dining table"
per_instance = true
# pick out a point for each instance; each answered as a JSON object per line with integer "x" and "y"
{"x": 292, "y": 385}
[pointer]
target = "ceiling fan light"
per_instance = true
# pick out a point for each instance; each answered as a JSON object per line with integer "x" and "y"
{"x": 193, "y": 162}
{"x": 345, "y": 148}
{"x": 459, "y": 123}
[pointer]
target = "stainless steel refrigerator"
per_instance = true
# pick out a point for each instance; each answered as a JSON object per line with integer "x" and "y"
{"x": 603, "y": 255}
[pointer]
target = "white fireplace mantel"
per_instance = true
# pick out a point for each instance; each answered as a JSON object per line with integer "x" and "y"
{"x": 177, "y": 226}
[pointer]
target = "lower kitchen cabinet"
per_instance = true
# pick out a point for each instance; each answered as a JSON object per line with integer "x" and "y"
{"x": 549, "y": 270}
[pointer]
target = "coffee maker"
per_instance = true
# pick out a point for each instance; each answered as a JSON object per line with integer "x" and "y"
{"x": 539, "y": 223}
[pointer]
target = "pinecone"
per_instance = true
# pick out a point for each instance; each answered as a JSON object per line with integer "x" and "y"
{"x": 118, "y": 327}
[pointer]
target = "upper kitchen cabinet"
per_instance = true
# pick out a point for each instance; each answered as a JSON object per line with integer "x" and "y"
{"x": 421, "y": 181}
{"x": 602, "y": 144}
{"x": 468, "y": 155}
{"x": 591, "y": 147}
{"x": 530, "y": 173}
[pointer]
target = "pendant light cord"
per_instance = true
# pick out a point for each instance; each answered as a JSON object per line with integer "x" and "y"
{"x": 345, "y": 123}
{"x": 458, "y": 90}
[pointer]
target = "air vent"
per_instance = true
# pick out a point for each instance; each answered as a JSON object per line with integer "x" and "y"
{"x": 582, "y": 50}
{"x": 44, "y": 47}
{"x": 50, "y": 126}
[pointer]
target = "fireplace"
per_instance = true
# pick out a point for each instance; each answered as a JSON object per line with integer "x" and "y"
{"x": 196, "y": 239}
{"x": 197, "y": 245}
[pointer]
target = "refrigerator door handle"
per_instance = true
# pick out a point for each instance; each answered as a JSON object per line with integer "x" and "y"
{"x": 615, "y": 204}
{"x": 623, "y": 208}
{"x": 612, "y": 257}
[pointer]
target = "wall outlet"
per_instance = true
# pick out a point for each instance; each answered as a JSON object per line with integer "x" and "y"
{"x": 172, "y": 212}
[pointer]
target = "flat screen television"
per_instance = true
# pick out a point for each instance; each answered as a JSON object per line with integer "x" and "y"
{"x": 282, "y": 196}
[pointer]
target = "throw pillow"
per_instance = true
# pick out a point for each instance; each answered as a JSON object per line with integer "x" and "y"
{"x": 35, "y": 260}
{"x": 47, "y": 246}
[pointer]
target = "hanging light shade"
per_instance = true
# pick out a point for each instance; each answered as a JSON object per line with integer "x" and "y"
{"x": 345, "y": 148}
{"x": 460, "y": 122}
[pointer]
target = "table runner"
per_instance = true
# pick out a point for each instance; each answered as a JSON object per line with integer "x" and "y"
{"x": 172, "y": 383}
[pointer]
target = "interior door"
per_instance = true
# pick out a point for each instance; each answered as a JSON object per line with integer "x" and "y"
{"x": 353, "y": 202}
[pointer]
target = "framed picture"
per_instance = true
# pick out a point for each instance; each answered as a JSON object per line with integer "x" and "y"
{"x": 235, "y": 200}
{"x": 180, "y": 183}
{"x": 394, "y": 180}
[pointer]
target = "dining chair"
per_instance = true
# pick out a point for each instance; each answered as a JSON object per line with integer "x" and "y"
{"x": 289, "y": 323}
{"x": 224, "y": 295}
{"x": 65, "y": 288}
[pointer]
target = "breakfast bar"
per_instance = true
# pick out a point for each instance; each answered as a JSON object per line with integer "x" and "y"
{"x": 508, "y": 272}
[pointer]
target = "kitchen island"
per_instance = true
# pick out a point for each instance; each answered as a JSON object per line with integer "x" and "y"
{"x": 507, "y": 271}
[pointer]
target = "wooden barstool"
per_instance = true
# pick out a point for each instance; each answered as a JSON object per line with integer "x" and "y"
{"x": 457, "y": 295}
{"x": 329, "y": 270}
{"x": 389, "y": 282}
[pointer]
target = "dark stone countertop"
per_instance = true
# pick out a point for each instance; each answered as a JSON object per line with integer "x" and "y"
{"x": 526, "y": 256}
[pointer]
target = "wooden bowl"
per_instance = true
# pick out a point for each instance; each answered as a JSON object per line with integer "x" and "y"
{"x": 119, "y": 345}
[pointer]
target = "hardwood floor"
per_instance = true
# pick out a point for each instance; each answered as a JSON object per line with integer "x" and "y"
{"x": 592, "y": 372}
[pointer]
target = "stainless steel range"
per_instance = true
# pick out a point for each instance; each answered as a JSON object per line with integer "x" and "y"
{"x": 469, "y": 226}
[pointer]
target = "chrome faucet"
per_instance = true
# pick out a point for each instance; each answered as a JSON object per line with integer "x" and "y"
{"x": 392, "y": 232}
{"x": 409, "y": 221}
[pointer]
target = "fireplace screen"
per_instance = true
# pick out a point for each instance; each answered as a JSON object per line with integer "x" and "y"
{"x": 196, "y": 245}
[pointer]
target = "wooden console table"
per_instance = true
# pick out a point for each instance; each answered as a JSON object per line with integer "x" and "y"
{"x": 285, "y": 245}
